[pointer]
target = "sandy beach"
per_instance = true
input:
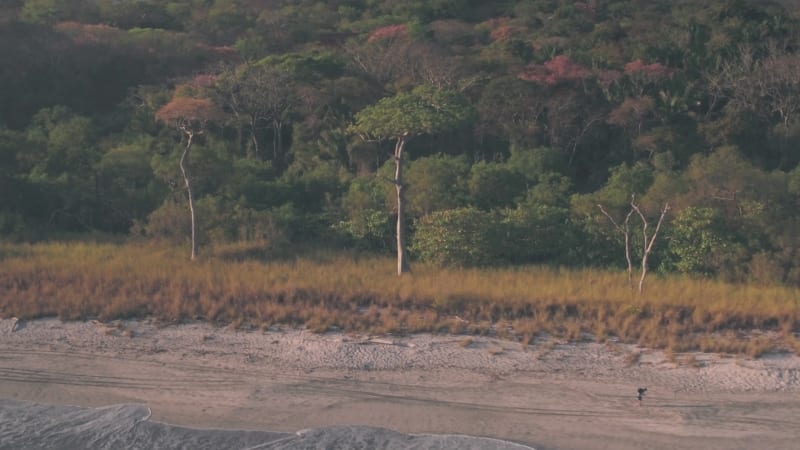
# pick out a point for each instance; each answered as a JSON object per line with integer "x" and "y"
{"x": 549, "y": 395}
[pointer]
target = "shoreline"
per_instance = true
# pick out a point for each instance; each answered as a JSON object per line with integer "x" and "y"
{"x": 549, "y": 395}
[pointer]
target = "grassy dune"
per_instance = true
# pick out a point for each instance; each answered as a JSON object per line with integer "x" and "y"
{"x": 346, "y": 292}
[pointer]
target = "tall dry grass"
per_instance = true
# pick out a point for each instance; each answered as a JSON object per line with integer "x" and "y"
{"x": 325, "y": 291}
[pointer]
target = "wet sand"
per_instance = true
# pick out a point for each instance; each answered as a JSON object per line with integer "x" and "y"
{"x": 550, "y": 395}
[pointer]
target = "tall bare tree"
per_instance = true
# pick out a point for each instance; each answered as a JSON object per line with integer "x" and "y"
{"x": 191, "y": 117}
{"x": 648, "y": 240}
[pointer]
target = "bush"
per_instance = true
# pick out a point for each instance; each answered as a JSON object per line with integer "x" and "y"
{"x": 458, "y": 237}
{"x": 170, "y": 222}
{"x": 219, "y": 221}
{"x": 12, "y": 224}
{"x": 540, "y": 234}
{"x": 371, "y": 229}
{"x": 700, "y": 242}
{"x": 493, "y": 185}
{"x": 436, "y": 183}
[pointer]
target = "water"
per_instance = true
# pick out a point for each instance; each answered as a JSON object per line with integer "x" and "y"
{"x": 30, "y": 426}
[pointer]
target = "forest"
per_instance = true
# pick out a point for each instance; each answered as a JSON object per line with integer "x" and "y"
{"x": 583, "y": 134}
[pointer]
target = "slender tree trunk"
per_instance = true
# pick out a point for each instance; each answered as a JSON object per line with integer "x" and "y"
{"x": 187, "y": 184}
{"x": 253, "y": 131}
{"x": 646, "y": 250}
{"x": 279, "y": 130}
{"x": 240, "y": 139}
{"x": 402, "y": 262}
{"x": 277, "y": 143}
{"x": 648, "y": 242}
{"x": 626, "y": 232}
{"x": 644, "y": 274}
{"x": 628, "y": 251}
{"x": 275, "y": 161}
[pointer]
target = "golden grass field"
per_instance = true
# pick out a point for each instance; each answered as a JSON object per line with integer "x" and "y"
{"x": 323, "y": 291}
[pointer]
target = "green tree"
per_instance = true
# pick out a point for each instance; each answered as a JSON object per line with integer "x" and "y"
{"x": 37, "y": 11}
{"x": 425, "y": 110}
{"x": 367, "y": 221}
{"x": 61, "y": 160}
{"x": 537, "y": 234}
{"x": 494, "y": 185}
{"x": 262, "y": 96}
{"x": 16, "y": 197}
{"x": 436, "y": 182}
{"x": 127, "y": 187}
{"x": 459, "y": 237}
{"x": 699, "y": 241}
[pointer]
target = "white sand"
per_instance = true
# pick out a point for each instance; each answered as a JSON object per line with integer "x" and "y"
{"x": 550, "y": 395}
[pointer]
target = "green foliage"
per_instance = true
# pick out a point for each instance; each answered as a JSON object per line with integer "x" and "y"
{"x": 307, "y": 66}
{"x": 624, "y": 181}
{"x": 65, "y": 140}
{"x": 169, "y": 222}
{"x": 251, "y": 186}
{"x": 615, "y": 196}
{"x": 494, "y": 185}
{"x": 44, "y": 11}
{"x": 17, "y": 203}
{"x": 551, "y": 190}
{"x": 210, "y": 166}
{"x": 364, "y": 193}
{"x": 126, "y": 185}
{"x": 699, "y": 241}
{"x": 436, "y": 183}
{"x": 220, "y": 221}
{"x": 424, "y": 110}
{"x": 370, "y": 229}
{"x": 368, "y": 218}
{"x": 533, "y": 163}
{"x": 681, "y": 102}
{"x": 538, "y": 234}
{"x": 137, "y": 14}
{"x": 463, "y": 237}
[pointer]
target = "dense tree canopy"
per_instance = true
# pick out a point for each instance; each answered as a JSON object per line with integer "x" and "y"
{"x": 524, "y": 114}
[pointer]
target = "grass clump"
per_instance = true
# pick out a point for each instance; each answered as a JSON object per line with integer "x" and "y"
{"x": 362, "y": 294}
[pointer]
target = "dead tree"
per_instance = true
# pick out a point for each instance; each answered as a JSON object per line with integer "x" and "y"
{"x": 626, "y": 232}
{"x": 648, "y": 241}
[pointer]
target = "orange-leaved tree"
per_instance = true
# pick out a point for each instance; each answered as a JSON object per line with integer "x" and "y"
{"x": 191, "y": 117}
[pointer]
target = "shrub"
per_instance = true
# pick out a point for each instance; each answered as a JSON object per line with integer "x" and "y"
{"x": 494, "y": 185}
{"x": 436, "y": 183}
{"x": 537, "y": 234}
{"x": 699, "y": 241}
{"x": 170, "y": 222}
{"x": 371, "y": 229}
{"x": 458, "y": 237}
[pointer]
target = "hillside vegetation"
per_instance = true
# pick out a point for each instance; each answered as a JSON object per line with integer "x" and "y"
{"x": 495, "y": 136}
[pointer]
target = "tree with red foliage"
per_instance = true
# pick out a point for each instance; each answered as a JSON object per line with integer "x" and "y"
{"x": 641, "y": 75}
{"x": 559, "y": 69}
{"x": 191, "y": 117}
{"x": 388, "y": 32}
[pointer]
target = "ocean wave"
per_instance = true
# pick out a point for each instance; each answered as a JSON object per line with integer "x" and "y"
{"x": 28, "y": 425}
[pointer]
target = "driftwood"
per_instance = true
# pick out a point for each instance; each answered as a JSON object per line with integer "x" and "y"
{"x": 381, "y": 342}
